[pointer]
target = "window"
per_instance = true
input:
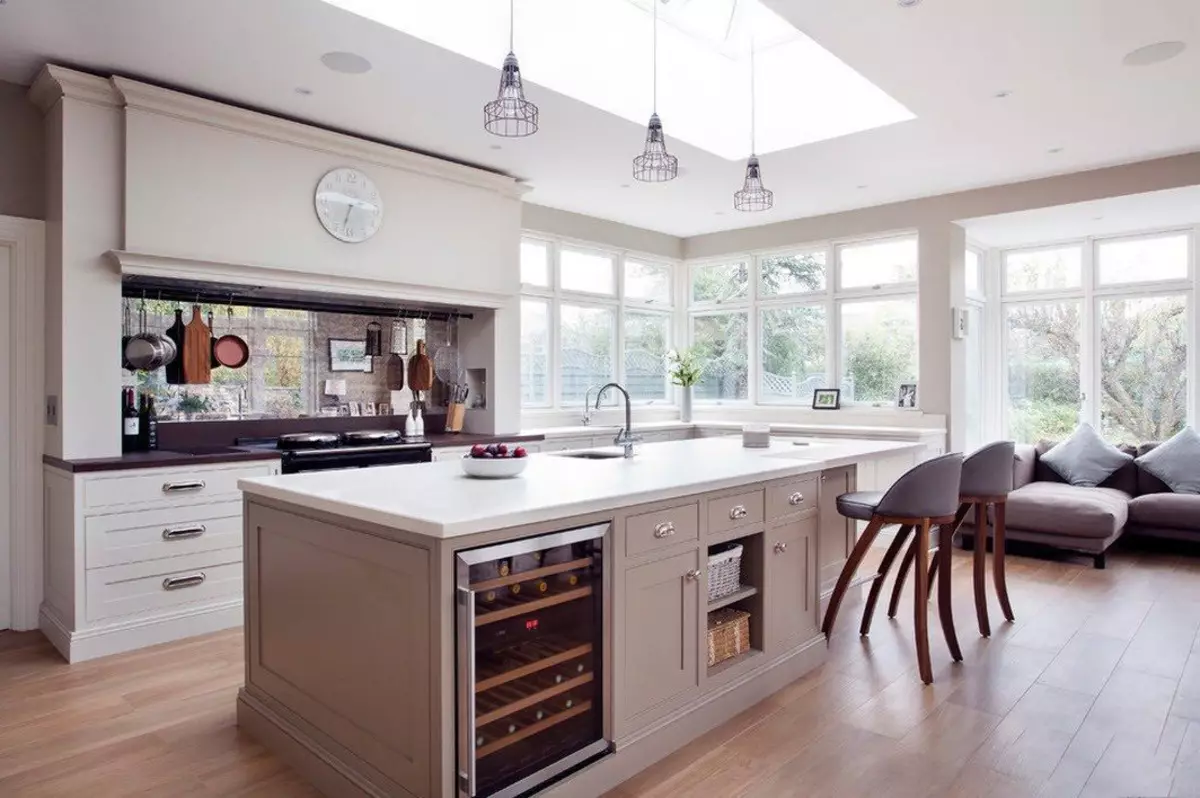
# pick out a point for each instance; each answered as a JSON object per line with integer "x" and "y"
{"x": 587, "y": 272}
{"x": 1143, "y": 260}
{"x": 583, "y": 327}
{"x": 720, "y": 282}
{"x": 879, "y": 349}
{"x": 801, "y": 273}
{"x": 793, "y": 354}
{"x": 1043, "y": 354}
{"x": 973, "y": 273}
{"x": 535, "y": 262}
{"x": 975, "y": 377}
{"x": 1043, "y": 270}
{"x": 722, "y": 340}
{"x": 878, "y": 263}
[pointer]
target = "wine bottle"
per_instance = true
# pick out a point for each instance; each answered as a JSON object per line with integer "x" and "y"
{"x": 129, "y": 422}
{"x": 151, "y": 424}
{"x": 542, "y": 586}
{"x": 515, "y": 589}
{"x": 488, "y": 597}
{"x": 504, "y": 568}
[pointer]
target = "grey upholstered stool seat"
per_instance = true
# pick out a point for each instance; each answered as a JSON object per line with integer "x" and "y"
{"x": 987, "y": 479}
{"x": 926, "y": 495}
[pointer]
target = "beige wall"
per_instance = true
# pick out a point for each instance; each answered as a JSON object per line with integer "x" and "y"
{"x": 565, "y": 224}
{"x": 22, "y": 155}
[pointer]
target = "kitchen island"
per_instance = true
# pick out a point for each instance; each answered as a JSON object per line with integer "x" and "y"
{"x": 365, "y": 600}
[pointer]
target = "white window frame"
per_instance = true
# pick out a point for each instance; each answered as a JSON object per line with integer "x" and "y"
{"x": 557, "y": 297}
{"x": 1090, "y": 294}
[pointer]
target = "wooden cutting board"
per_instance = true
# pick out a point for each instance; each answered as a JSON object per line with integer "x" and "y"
{"x": 197, "y": 350}
{"x": 420, "y": 370}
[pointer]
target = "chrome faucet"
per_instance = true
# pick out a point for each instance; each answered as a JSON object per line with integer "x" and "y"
{"x": 625, "y": 437}
{"x": 587, "y": 405}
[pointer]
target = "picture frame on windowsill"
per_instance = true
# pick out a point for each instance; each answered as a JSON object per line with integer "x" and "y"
{"x": 827, "y": 399}
{"x": 906, "y": 396}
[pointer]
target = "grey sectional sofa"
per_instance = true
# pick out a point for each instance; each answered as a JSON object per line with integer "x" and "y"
{"x": 1044, "y": 509}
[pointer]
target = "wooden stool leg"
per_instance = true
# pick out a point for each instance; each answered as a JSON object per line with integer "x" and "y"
{"x": 998, "y": 563}
{"x": 901, "y": 575}
{"x": 945, "y": 603}
{"x": 921, "y": 602}
{"x": 933, "y": 572}
{"x": 877, "y": 586}
{"x": 843, "y": 582}
{"x": 980, "y": 553}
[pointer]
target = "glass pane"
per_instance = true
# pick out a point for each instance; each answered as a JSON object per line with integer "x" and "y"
{"x": 973, "y": 275}
{"x": 1143, "y": 260}
{"x": 721, "y": 340}
{"x": 535, "y": 262}
{"x": 586, "y": 271}
{"x": 800, "y": 273}
{"x": 1042, "y": 344}
{"x": 878, "y": 263}
{"x": 649, "y": 282}
{"x": 1044, "y": 269}
{"x": 535, "y": 353}
{"x": 646, "y": 339}
{"x": 588, "y": 343}
{"x": 879, "y": 349}
{"x": 793, "y": 354}
{"x": 975, "y": 378}
{"x": 721, "y": 282}
{"x": 1143, "y": 368}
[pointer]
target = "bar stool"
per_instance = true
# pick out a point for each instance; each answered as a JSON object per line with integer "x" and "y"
{"x": 926, "y": 495}
{"x": 987, "y": 479}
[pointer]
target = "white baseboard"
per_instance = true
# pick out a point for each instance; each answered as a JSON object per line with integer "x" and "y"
{"x": 132, "y": 634}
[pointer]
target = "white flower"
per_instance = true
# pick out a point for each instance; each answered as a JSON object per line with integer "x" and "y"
{"x": 672, "y": 354}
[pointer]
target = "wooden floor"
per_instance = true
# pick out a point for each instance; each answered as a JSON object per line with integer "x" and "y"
{"x": 1094, "y": 691}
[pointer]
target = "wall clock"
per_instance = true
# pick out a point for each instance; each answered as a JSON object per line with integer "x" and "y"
{"x": 348, "y": 205}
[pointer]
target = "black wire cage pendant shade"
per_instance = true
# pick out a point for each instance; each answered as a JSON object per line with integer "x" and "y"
{"x": 655, "y": 164}
{"x": 510, "y": 114}
{"x": 754, "y": 196}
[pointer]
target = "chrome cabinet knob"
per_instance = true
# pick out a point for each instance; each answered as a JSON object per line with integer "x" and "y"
{"x": 664, "y": 529}
{"x": 796, "y": 499}
{"x": 738, "y": 512}
{"x": 692, "y": 575}
{"x": 780, "y": 547}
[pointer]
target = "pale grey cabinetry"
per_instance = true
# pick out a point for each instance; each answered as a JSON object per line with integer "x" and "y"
{"x": 836, "y": 535}
{"x": 790, "y": 571}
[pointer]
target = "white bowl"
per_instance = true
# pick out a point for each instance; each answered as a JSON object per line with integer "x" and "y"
{"x": 493, "y": 468}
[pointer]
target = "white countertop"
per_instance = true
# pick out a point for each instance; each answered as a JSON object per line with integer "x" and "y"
{"x": 438, "y": 500}
{"x": 782, "y": 428}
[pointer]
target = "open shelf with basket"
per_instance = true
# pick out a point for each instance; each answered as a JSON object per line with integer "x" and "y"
{"x": 735, "y": 601}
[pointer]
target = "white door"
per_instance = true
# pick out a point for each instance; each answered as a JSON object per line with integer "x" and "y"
{"x": 6, "y": 343}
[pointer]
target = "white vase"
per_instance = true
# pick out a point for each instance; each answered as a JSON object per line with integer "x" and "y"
{"x": 685, "y": 404}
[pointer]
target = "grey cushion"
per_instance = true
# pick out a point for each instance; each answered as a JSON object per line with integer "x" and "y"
{"x": 1176, "y": 462}
{"x": 1056, "y": 508}
{"x": 1172, "y": 510}
{"x": 1085, "y": 459}
{"x": 859, "y": 506}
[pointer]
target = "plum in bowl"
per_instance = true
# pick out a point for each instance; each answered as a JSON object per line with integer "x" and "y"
{"x": 494, "y": 461}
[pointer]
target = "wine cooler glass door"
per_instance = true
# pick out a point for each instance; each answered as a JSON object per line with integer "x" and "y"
{"x": 530, "y": 639}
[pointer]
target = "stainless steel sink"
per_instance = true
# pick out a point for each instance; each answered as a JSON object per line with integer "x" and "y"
{"x": 592, "y": 454}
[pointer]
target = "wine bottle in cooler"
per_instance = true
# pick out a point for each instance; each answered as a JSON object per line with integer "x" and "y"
{"x": 130, "y": 422}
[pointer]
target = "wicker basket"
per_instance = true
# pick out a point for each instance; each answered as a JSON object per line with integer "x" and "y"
{"x": 724, "y": 573}
{"x": 728, "y": 634}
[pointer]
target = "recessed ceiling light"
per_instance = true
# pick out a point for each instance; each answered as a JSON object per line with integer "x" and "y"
{"x": 1153, "y": 54}
{"x": 861, "y": 185}
{"x": 494, "y": 146}
{"x": 1097, "y": 218}
{"x": 907, "y": 3}
{"x": 303, "y": 91}
{"x": 1000, "y": 95}
{"x": 346, "y": 63}
{"x": 624, "y": 185}
{"x": 1054, "y": 150}
{"x": 718, "y": 213}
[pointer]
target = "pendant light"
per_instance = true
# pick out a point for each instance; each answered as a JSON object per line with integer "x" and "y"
{"x": 753, "y": 196}
{"x": 655, "y": 165}
{"x": 510, "y": 114}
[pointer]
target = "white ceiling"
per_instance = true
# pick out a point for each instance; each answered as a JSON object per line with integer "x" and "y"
{"x": 942, "y": 59}
{"x": 1157, "y": 210}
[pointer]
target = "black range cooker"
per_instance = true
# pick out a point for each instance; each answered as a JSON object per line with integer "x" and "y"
{"x": 324, "y": 451}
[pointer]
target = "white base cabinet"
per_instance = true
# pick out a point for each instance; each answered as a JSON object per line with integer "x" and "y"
{"x": 140, "y": 557}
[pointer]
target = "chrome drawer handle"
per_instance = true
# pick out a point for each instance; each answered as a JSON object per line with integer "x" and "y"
{"x": 180, "y": 582}
{"x": 796, "y": 499}
{"x": 738, "y": 512}
{"x": 780, "y": 547}
{"x": 664, "y": 529}
{"x": 692, "y": 575}
{"x": 182, "y": 532}
{"x": 176, "y": 487}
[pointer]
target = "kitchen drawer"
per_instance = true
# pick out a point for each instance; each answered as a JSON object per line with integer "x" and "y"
{"x": 661, "y": 528}
{"x": 160, "y": 585}
{"x": 791, "y": 497}
{"x": 741, "y": 509}
{"x": 123, "y": 538}
{"x": 166, "y": 488}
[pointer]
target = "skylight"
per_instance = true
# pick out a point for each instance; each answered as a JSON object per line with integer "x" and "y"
{"x": 599, "y": 52}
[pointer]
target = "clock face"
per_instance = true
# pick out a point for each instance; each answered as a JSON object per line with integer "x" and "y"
{"x": 348, "y": 205}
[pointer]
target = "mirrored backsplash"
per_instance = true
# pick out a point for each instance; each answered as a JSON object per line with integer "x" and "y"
{"x": 302, "y": 364}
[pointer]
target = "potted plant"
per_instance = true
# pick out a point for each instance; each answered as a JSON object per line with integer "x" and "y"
{"x": 685, "y": 371}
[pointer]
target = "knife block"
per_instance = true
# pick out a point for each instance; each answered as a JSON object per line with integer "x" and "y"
{"x": 456, "y": 414}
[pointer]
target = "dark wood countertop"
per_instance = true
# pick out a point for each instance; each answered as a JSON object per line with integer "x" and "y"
{"x": 165, "y": 458}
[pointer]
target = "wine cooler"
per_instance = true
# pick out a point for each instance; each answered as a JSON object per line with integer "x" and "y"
{"x": 530, "y": 643}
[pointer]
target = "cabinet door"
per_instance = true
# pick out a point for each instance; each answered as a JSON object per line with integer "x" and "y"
{"x": 791, "y": 597}
{"x": 661, "y": 652}
{"x": 837, "y": 534}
